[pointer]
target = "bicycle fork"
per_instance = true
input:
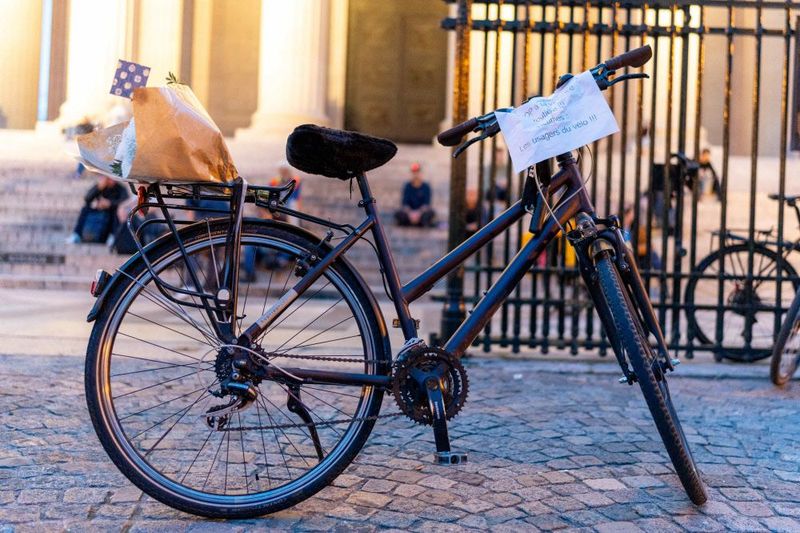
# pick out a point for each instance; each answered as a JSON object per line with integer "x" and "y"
{"x": 590, "y": 243}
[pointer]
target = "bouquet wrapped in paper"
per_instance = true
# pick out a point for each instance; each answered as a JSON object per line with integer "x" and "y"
{"x": 171, "y": 138}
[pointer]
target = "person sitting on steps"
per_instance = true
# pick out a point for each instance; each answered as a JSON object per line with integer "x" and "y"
{"x": 416, "y": 209}
{"x": 97, "y": 220}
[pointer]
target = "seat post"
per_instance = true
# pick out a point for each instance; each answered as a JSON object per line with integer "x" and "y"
{"x": 369, "y": 203}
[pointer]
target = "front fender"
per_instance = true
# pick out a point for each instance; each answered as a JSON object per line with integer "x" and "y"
{"x": 600, "y": 245}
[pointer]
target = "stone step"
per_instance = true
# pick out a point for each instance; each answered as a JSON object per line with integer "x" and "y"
{"x": 42, "y": 281}
{"x": 45, "y": 253}
{"x": 77, "y": 251}
{"x": 86, "y": 258}
{"x": 64, "y": 277}
{"x": 41, "y": 203}
{"x": 55, "y": 231}
{"x": 24, "y": 224}
{"x": 312, "y": 200}
{"x": 83, "y": 283}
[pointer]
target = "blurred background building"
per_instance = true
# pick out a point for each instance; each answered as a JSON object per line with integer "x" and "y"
{"x": 259, "y": 66}
{"x": 264, "y": 66}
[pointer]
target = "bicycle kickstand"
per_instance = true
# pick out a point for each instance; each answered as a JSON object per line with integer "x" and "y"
{"x": 444, "y": 455}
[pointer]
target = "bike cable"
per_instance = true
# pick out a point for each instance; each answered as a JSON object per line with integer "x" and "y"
{"x": 380, "y": 268}
{"x": 560, "y": 200}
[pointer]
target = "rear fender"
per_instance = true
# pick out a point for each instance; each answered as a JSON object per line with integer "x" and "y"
{"x": 154, "y": 249}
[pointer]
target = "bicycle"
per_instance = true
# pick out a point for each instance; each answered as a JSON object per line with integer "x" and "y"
{"x": 168, "y": 411}
{"x": 786, "y": 352}
{"x": 730, "y": 299}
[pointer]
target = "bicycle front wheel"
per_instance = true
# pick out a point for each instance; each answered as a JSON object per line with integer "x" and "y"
{"x": 153, "y": 366}
{"x": 651, "y": 377}
{"x": 786, "y": 353}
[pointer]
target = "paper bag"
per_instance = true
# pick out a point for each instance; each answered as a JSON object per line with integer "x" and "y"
{"x": 99, "y": 147}
{"x": 176, "y": 141}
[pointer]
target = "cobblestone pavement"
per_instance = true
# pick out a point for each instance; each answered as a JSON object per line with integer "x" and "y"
{"x": 552, "y": 445}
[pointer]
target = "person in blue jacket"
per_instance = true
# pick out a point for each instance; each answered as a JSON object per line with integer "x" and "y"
{"x": 416, "y": 209}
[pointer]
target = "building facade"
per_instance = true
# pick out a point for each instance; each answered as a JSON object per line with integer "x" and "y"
{"x": 379, "y": 66}
{"x": 259, "y": 66}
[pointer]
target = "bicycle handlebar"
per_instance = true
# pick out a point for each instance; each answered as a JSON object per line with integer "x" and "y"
{"x": 632, "y": 58}
{"x": 454, "y": 135}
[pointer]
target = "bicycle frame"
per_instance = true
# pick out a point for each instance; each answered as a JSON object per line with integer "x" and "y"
{"x": 545, "y": 227}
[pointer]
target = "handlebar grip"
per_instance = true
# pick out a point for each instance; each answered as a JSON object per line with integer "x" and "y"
{"x": 633, "y": 58}
{"x": 454, "y": 135}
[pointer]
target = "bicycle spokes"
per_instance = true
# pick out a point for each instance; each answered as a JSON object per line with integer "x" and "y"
{"x": 203, "y": 413}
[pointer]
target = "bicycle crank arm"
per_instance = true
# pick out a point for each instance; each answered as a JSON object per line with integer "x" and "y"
{"x": 444, "y": 455}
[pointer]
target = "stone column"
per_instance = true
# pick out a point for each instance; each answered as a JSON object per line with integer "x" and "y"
{"x": 19, "y": 55}
{"x": 160, "y": 38}
{"x": 337, "y": 69}
{"x": 98, "y": 37}
{"x": 293, "y": 67}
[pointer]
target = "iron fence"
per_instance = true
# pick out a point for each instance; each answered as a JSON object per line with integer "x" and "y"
{"x": 720, "y": 80}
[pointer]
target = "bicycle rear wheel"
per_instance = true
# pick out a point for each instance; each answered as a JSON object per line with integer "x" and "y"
{"x": 152, "y": 365}
{"x": 651, "y": 377}
{"x": 786, "y": 353}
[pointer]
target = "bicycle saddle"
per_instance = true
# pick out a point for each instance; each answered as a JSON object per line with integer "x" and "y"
{"x": 788, "y": 198}
{"x": 336, "y": 153}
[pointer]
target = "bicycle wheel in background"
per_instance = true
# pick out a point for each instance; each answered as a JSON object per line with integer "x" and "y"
{"x": 651, "y": 377}
{"x": 748, "y": 303}
{"x": 153, "y": 366}
{"x": 786, "y": 353}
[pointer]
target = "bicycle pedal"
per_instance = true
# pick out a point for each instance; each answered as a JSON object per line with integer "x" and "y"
{"x": 450, "y": 458}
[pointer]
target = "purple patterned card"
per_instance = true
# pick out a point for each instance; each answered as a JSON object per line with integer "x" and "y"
{"x": 128, "y": 77}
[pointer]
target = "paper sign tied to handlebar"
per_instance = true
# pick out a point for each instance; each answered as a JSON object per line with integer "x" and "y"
{"x": 575, "y": 115}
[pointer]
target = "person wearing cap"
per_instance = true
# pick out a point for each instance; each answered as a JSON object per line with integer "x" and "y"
{"x": 285, "y": 175}
{"x": 252, "y": 256}
{"x": 416, "y": 209}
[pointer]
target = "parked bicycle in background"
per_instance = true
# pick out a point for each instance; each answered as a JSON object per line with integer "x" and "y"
{"x": 786, "y": 353}
{"x": 732, "y": 296}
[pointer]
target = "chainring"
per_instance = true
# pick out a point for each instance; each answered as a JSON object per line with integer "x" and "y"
{"x": 409, "y": 391}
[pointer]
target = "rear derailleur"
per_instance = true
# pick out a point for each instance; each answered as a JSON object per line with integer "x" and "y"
{"x": 239, "y": 372}
{"x": 236, "y": 384}
{"x": 430, "y": 386}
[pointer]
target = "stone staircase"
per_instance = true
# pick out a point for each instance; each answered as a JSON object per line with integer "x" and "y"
{"x": 40, "y": 204}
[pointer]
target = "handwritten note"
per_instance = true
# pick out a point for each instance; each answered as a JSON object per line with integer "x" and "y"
{"x": 573, "y": 116}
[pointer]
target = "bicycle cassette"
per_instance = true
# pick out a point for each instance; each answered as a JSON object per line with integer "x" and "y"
{"x": 418, "y": 365}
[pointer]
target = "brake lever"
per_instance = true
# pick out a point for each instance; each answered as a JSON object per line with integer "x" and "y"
{"x": 488, "y": 128}
{"x": 484, "y": 135}
{"x": 626, "y": 77}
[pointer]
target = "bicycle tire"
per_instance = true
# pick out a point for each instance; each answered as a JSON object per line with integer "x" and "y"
{"x": 706, "y": 338}
{"x": 783, "y": 365}
{"x": 216, "y": 506}
{"x": 650, "y": 377}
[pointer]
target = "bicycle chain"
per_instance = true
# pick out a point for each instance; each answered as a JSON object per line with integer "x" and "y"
{"x": 315, "y": 424}
{"x": 325, "y": 358}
